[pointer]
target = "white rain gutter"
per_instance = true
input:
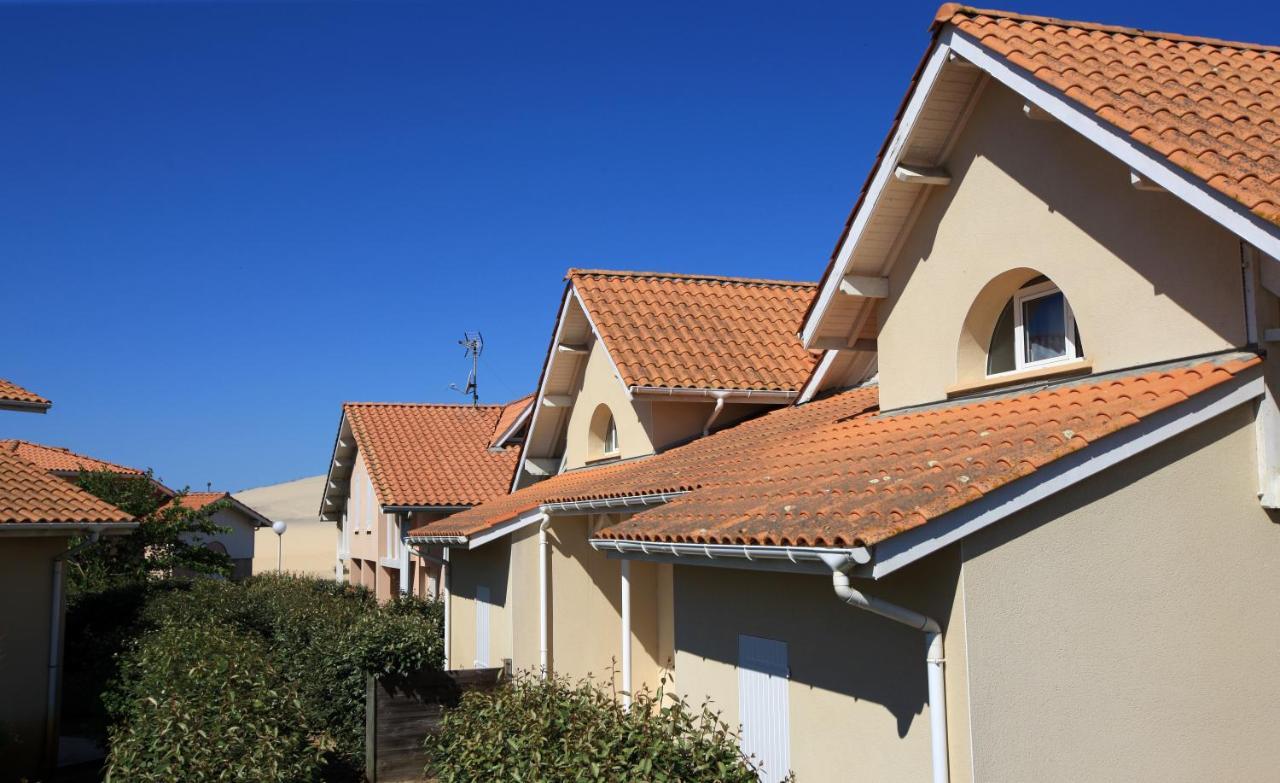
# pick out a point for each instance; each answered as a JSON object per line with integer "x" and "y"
{"x": 732, "y": 395}
{"x": 934, "y": 660}
{"x": 715, "y": 412}
{"x": 51, "y": 714}
{"x": 794, "y": 555}
{"x": 544, "y": 631}
{"x": 626, "y": 634}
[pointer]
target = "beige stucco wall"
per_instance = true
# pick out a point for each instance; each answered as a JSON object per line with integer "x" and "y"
{"x": 525, "y": 628}
{"x": 601, "y": 385}
{"x": 363, "y": 515}
{"x": 858, "y": 692}
{"x": 488, "y": 565}
{"x": 26, "y": 579}
{"x": 1149, "y": 278}
{"x": 1128, "y": 629}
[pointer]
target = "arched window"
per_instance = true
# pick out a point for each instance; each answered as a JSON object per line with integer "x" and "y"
{"x": 1036, "y": 328}
{"x": 603, "y": 438}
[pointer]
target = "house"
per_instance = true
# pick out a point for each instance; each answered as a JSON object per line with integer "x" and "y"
{"x": 67, "y": 464}
{"x": 1020, "y": 522}
{"x": 639, "y": 363}
{"x": 399, "y": 465}
{"x": 308, "y": 543}
{"x": 240, "y": 522}
{"x": 40, "y": 516}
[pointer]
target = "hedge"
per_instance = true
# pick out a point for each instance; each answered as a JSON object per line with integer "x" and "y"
{"x": 553, "y": 730}
{"x": 305, "y": 646}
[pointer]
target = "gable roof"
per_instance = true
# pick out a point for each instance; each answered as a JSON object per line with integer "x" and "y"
{"x": 423, "y": 455}
{"x": 676, "y": 470}
{"x": 870, "y": 478}
{"x": 1197, "y": 117}
{"x": 1211, "y": 107}
{"x": 198, "y": 500}
{"x": 512, "y": 419}
{"x": 58, "y": 459}
{"x": 30, "y": 495}
{"x": 14, "y": 397}
{"x": 676, "y": 331}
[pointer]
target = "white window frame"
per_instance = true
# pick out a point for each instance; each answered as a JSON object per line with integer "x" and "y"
{"x": 1028, "y": 294}
{"x": 609, "y": 442}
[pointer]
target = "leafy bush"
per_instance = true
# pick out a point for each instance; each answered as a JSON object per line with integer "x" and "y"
{"x": 311, "y": 643}
{"x": 553, "y": 730}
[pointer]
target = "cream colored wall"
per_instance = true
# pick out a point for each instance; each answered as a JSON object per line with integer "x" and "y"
{"x": 1149, "y": 278}
{"x": 26, "y": 567}
{"x": 1127, "y": 629}
{"x": 525, "y": 628}
{"x": 363, "y": 514}
{"x": 858, "y": 694}
{"x": 487, "y": 565}
{"x": 600, "y": 384}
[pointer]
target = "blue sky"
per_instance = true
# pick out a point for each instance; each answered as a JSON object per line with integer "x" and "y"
{"x": 219, "y": 221}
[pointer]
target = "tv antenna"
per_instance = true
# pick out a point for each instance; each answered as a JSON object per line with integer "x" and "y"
{"x": 472, "y": 344}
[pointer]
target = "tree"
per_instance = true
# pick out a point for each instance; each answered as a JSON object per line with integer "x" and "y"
{"x": 167, "y": 540}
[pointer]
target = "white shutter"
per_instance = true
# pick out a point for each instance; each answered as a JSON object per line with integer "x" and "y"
{"x": 482, "y": 626}
{"x": 763, "y": 708}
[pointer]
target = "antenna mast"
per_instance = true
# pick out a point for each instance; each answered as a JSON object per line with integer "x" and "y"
{"x": 472, "y": 344}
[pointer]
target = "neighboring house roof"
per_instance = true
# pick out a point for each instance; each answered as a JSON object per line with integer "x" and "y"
{"x": 14, "y": 397}
{"x": 699, "y": 331}
{"x": 679, "y": 469}
{"x": 513, "y": 417}
{"x": 31, "y": 495}
{"x": 1211, "y": 107}
{"x": 61, "y": 460}
{"x": 423, "y": 455}
{"x": 859, "y": 482}
{"x": 198, "y": 500}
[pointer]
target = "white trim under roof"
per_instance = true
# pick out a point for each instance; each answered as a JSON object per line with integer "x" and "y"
{"x": 502, "y": 439}
{"x": 816, "y": 378}
{"x": 552, "y": 352}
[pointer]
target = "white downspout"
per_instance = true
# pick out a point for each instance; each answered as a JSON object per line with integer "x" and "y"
{"x": 626, "y": 634}
{"x": 544, "y": 632}
{"x": 445, "y": 572}
{"x": 715, "y": 412}
{"x": 933, "y": 661}
{"x": 402, "y": 525}
{"x": 52, "y": 705}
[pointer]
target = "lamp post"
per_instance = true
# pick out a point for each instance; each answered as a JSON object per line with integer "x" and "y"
{"x": 279, "y": 526}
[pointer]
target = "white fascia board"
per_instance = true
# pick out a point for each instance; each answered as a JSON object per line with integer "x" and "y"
{"x": 1151, "y": 165}
{"x": 814, "y": 383}
{"x": 906, "y": 548}
{"x": 506, "y": 528}
{"x": 767, "y": 396}
{"x": 334, "y": 488}
{"x": 596, "y": 333}
{"x": 515, "y": 426}
{"x": 884, "y": 174}
{"x": 542, "y": 390}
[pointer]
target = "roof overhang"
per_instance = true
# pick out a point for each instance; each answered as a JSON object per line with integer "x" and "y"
{"x": 955, "y": 69}
{"x": 892, "y": 554}
{"x": 501, "y": 441}
{"x": 47, "y": 529}
{"x": 337, "y": 480}
{"x": 22, "y": 406}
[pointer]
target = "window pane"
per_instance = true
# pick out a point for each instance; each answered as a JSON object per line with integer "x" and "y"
{"x": 1000, "y": 353}
{"x": 1044, "y": 327}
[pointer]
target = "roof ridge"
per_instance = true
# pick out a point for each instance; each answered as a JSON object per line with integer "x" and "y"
{"x": 576, "y": 272}
{"x": 463, "y": 405}
{"x": 947, "y": 10}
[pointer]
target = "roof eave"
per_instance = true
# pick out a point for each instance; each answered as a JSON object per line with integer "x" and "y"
{"x": 46, "y": 529}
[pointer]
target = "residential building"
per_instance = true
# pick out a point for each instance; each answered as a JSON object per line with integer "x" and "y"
{"x": 1021, "y": 521}
{"x": 308, "y": 543}
{"x": 240, "y": 523}
{"x": 400, "y": 465}
{"x": 40, "y": 515}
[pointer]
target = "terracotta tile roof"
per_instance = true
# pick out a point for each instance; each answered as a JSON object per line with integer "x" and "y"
{"x": 29, "y": 494}
{"x": 1211, "y": 107}
{"x": 510, "y": 413}
{"x": 12, "y": 392}
{"x": 864, "y": 480}
{"x": 699, "y": 332}
{"x": 676, "y": 470}
{"x": 198, "y": 500}
{"x": 59, "y": 459}
{"x": 431, "y": 455}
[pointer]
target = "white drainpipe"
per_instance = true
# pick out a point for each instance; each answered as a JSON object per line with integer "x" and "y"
{"x": 544, "y": 632}
{"x": 933, "y": 657}
{"x": 402, "y": 525}
{"x": 52, "y": 705}
{"x": 715, "y": 412}
{"x": 626, "y": 634}
{"x": 445, "y": 572}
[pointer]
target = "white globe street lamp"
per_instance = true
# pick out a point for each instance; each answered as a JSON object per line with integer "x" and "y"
{"x": 279, "y": 526}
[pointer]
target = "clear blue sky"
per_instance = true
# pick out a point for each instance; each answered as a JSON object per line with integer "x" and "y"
{"x": 219, "y": 221}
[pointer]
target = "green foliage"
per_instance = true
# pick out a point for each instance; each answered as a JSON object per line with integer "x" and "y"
{"x": 167, "y": 540}
{"x": 553, "y": 730}
{"x": 305, "y": 646}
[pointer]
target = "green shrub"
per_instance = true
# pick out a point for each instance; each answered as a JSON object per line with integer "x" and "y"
{"x": 535, "y": 730}
{"x": 317, "y": 640}
{"x": 207, "y": 703}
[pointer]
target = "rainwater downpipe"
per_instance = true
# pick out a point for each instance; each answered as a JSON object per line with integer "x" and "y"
{"x": 544, "y": 631}
{"x": 446, "y": 574}
{"x": 626, "y": 634}
{"x": 55, "y": 648}
{"x": 715, "y": 412}
{"x": 934, "y": 660}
